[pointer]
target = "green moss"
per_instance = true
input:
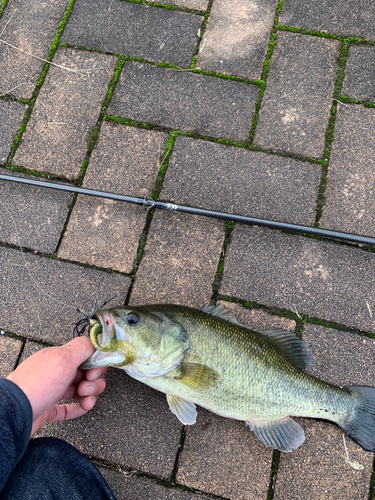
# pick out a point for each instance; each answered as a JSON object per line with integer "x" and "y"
{"x": 164, "y": 161}
{"x": 3, "y": 4}
{"x": 321, "y": 195}
{"x": 96, "y": 130}
{"x": 229, "y": 227}
{"x": 321, "y": 34}
{"x": 155, "y": 4}
{"x": 274, "y": 471}
{"x": 40, "y": 81}
{"x": 262, "y": 82}
{"x": 372, "y": 484}
{"x": 330, "y": 130}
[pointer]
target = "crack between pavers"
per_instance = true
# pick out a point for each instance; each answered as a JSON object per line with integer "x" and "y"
{"x": 300, "y": 318}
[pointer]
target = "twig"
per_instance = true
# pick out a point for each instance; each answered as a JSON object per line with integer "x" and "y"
{"x": 343, "y": 103}
{"x": 369, "y": 310}
{"x": 353, "y": 465}
{"x": 79, "y": 71}
{"x": 11, "y": 90}
{"x": 6, "y": 24}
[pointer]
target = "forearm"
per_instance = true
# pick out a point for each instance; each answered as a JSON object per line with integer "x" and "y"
{"x": 15, "y": 427}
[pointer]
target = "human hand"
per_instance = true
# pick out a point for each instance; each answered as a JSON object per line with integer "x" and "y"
{"x": 52, "y": 374}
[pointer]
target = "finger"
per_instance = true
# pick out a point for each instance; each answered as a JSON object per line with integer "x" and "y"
{"x": 87, "y": 402}
{"x": 78, "y": 350}
{"x": 68, "y": 411}
{"x": 80, "y": 375}
{"x": 70, "y": 392}
{"x": 96, "y": 373}
{"x": 87, "y": 388}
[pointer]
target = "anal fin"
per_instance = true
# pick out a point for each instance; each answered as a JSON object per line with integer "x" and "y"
{"x": 284, "y": 434}
{"x": 186, "y": 412}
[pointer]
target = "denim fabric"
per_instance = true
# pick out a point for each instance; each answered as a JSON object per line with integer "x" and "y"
{"x": 52, "y": 469}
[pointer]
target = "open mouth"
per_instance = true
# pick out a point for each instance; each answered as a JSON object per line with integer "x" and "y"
{"x": 110, "y": 351}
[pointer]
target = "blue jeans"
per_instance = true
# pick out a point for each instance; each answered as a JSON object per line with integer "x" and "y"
{"x": 52, "y": 469}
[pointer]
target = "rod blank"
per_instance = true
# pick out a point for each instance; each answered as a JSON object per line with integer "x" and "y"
{"x": 312, "y": 231}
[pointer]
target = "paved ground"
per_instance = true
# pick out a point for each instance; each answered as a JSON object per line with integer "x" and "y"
{"x": 254, "y": 107}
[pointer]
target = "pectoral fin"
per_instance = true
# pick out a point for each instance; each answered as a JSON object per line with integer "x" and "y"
{"x": 197, "y": 376}
{"x": 185, "y": 412}
{"x": 284, "y": 434}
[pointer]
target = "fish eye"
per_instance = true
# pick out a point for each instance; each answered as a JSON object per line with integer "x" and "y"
{"x": 132, "y": 319}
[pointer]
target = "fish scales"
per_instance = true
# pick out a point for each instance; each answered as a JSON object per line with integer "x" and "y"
{"x": 255, "y": 380}
{"x": 210, "y": 359}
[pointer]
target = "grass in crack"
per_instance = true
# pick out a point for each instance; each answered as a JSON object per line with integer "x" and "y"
{"x": 372, "y": 484}
{"x": 322, "y": 34}
{"x": 96, "y": 130}
{"x": 274, "y": 471}
{"x": 3, "y": 4}
{"x": 266, "y": 67}
{"x": 230, "y": 225}
{"x": 50, "y": 56}
{"x": 202, "y": 31}
{"x": 321, "y": 195}
{"x": 301, "y": 319}
{"x": 262, "y": 83}
{"x": 164, "y": 161}
{"x": 330, "y": 131}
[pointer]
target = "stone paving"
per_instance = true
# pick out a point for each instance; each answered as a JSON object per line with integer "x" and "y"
{"x": 260, "y": 108}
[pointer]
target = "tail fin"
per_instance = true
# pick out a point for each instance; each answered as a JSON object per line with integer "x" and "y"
{"x": 361, "y": 427}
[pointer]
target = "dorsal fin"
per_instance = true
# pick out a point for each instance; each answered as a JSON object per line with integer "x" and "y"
{"x": 221, "y": 312}
{"x": 295, "y": 349}
{"x": 287, "y": 343}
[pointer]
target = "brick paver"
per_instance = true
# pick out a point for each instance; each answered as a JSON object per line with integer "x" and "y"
{"x": 359, "y": 79}
{"x": 30, "y": 26}
{"x": 318, "y": 468}
{"x": 349, "y": 18}
{"x": 26, "y": 309}
{"x": 134, "y": 30}
{"x": 180, "y": 261}
{"x": 297, "y": 102}
{"x": 66, "y": 111}
{"x": 349, "y": 194}
{"x": 137, "y": 488}
{"x": 189, "y": 4}
{"x": 125, "y": 160}
{"x": 128, "y": 114}
{"x": 235, "y": 180}
{"x": 9, "y": 351}
{"x": 32, "y": 217}
{"x": 11, "y": 115}
{"x": 168, "y": 97}
{"x": 328, "y": 281}
{"x": 223, "y": 457}
{"x": 236, "y": 39}
{"x": 259, "y": 319}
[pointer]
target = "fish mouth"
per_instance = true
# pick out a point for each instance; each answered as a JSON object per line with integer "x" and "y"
{"x": 110, "y": 351}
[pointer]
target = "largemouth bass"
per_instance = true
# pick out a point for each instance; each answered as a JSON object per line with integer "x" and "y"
{"x": 210, "y": 359}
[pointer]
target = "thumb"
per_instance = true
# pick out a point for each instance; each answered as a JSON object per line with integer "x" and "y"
{"x": 78, "y": 350}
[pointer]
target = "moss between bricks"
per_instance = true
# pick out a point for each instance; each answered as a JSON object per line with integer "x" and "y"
{"x": 51, "y": 53}
{"x": 266, "y": 66}
{"x": 330, "y": 131}
{"x": 300, "y": 319}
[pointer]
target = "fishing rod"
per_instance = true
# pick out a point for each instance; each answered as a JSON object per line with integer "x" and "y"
{"x": 311, "y": 231}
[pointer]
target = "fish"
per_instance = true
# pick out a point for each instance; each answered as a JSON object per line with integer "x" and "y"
{"x": 208, "y": 358}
